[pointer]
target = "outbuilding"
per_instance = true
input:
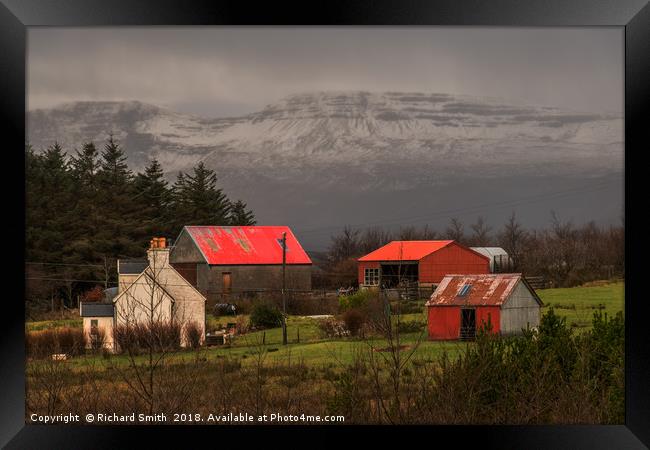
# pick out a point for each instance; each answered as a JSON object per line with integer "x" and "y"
{"x": 424, "y": 262}
{"x": 499, "y": 259}
{"x": 98, "y": 320}
{"x": 224, "y": 261}
{"x": 461, "y": 304}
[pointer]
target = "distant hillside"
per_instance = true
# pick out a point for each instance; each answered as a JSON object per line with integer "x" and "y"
{"x": 322, "y": 159}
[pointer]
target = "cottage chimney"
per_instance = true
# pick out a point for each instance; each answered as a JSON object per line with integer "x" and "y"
{"x": 158, "y": 253}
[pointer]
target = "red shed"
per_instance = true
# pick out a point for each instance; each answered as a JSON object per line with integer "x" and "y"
{"x": 426, "y": 262}
{"x": 463, "y": 303}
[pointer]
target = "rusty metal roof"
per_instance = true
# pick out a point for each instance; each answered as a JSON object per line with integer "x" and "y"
{"x": 478, "y": 290}
{"x": 405, "y": 250}
{"x": 222, "y": 245}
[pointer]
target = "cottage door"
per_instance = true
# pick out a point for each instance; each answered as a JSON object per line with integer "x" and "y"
{"x": 227, "y": 283}
{"x": 467, "y": 323}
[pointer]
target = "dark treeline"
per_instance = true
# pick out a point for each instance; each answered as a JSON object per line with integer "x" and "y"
{"x": 86, "y": 209}
{"x": 563, "y": 253}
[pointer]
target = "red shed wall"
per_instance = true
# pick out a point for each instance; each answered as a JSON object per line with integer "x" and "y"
{"x": 452, "y": 259}
{"x": 366, "y": 265}
{"x": 444, "y": 322}
{"x": 482, "y": 314}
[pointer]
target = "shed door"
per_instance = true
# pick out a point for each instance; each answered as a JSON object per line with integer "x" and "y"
{"x": 227, "y": 282}
{"x": 467, "y": 323}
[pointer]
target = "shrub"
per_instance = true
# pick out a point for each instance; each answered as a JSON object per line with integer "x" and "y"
{"x": 353, "y": 320}
{"x": 193, "y": 335}
{"x": 96, "y": 340}
{"x": 138, "y": 337}
{"x": 41, "y": 344}
{"x": 301, "y": 304}
{"x": 331, "y": 327}
{"x": 212, "y": 324}
{"x": 412, "y": 326}
{"x": 357, "y": 300}
{"x": 408, "y": 307}
{"x": 265, "y": 316}
{"x": 95, "y": 294}
{"x": 242, "y": 325}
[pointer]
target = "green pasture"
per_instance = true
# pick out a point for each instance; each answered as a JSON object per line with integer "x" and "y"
{"x": 308, "y": 345}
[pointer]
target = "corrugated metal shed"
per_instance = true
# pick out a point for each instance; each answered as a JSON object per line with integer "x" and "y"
{"x": 475, "y": 290}
{"x": 499, "y": 259}
{"x": 246, "y": 245}
{"x": 96, "y": 309}
{"x": 490, "y": 252}
{"x": 405, "y": 250}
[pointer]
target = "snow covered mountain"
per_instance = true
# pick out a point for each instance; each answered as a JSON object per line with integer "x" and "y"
{"x": 319, "y": 148}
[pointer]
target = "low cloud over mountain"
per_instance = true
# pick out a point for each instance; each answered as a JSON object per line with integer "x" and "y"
{"x": 320, "y": 160}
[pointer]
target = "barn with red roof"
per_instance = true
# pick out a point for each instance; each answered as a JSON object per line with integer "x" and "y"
{"x": 461, "y": 304}
{"x": 222, "y": 261}
{"x": 424, "y": 262}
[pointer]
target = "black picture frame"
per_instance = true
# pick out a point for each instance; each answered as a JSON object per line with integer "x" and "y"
{"x": 633, "y": 15}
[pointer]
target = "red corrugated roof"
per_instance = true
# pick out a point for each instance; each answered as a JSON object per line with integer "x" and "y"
{"x": 485, "y": 289}
{"x": 405, "y": 250}
{"x": 246, "y": 245}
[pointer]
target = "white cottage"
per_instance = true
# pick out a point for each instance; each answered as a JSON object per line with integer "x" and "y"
{"x": 148, "y": 292}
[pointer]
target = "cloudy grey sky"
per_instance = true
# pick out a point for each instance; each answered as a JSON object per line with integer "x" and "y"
{"x": 217, "y": 71}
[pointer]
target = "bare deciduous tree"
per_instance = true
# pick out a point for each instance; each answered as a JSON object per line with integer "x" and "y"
{"x": 455, "y": 230}
{"x": 480, "y": 232}
{"x": 513, "y": 240}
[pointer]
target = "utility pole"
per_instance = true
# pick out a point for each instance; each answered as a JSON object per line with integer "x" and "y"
{"x": 284, "y": 295}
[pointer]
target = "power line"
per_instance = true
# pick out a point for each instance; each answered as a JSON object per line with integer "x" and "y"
{"x": 73, "y": 280}
{"x": 64, "y": 264}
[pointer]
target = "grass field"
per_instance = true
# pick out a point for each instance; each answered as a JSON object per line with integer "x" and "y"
{"x": 579, "y": 303}
{"x": 47, "y": 324}
{"x": 307, "y": 344}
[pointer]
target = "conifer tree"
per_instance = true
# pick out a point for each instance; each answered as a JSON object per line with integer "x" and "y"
{"x": 86, "y": 219}
{"x": 198, "y": 201}
{"x": 119, "y": 210}
{"x": 52, "y": 198}
{"x": 154, "y": 196}
{"x": 239, "y": 215}
{"x": 32, "y": 200}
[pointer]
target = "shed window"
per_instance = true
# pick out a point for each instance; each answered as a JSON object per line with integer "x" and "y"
{"x": 371, "y": 277}
{"x": 464, "y": 290}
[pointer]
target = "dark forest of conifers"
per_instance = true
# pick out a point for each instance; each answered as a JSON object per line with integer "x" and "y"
{"x": 85, "y": 209}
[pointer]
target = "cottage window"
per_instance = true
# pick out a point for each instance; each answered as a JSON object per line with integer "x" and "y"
{"x": 93, "y": 326}
{"x": 371, "y": 277}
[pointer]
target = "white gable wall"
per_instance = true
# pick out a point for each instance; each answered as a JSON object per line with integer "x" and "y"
{"x": 520, "y": 310}
{"x": 143, "y": 302}
{"x": 161, "y": 294}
